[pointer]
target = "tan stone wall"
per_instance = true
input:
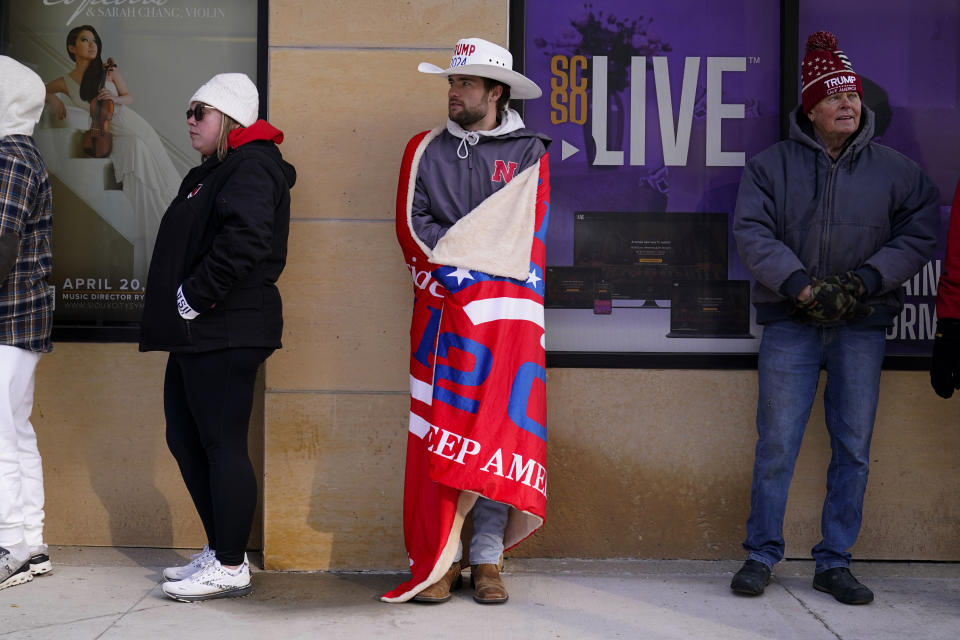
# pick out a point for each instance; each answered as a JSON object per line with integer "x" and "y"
{"x": 642, "y": 463}
{"x": 671, "y": 454}
{"x": 344, "y": 87}
{"x": 109, "y": 478}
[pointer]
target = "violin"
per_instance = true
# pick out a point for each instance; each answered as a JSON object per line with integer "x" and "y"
{"x": 98, "y": 140}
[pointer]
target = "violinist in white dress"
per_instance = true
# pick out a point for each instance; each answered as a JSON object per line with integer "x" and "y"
{"x": 140, "y": 161}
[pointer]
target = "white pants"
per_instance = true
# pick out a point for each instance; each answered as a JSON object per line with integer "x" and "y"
{"x": 21, "y": 475}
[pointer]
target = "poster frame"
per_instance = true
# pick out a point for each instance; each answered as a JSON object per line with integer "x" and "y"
{"x": 788, "y": 99}
{"x": 129, "y": 332}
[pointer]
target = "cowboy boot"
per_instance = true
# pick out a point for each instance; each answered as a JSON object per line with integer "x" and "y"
{"x": 488, "y": 588}
{"x": 440, "y": 590}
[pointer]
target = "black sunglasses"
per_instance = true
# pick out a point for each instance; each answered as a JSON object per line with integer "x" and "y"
{"x": 198, "y": 111}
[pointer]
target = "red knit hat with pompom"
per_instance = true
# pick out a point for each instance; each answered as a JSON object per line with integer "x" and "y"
{"x": 826, "y": 70}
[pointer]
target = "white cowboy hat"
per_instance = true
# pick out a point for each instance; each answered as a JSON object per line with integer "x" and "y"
{"x": 476, "y": 57}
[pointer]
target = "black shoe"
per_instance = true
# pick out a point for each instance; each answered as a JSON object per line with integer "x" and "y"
{"x": 751, "y": 579}
{"x": 841, "y": 584}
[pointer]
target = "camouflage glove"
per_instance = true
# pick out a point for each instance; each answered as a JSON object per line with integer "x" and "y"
{"x": 945, "y": 365}
{"x": 828, "y": 304}
{"x": 851, "y": 285}
{"x": 848, "y": 281}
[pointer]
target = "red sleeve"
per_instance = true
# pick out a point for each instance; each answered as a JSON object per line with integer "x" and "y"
{"x": 948, "y": 291}
{"x": 404, "y": 233}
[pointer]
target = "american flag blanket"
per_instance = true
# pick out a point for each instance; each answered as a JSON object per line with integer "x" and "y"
{"x": 477, "y": 369}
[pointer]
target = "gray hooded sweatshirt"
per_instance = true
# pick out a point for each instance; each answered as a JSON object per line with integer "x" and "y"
{"x": 460, "y": 169}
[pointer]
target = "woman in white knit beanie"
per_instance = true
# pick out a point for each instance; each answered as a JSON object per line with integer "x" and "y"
{"x": 213, "y": 303}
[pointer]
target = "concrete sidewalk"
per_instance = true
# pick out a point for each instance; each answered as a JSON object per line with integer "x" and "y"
{"x": 114, "y": 593}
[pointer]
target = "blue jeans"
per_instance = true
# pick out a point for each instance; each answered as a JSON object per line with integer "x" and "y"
{"x": 790, "y": 359}
{"x": 489, "y": 523}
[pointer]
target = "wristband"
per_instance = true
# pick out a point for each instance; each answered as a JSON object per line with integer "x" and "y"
{"x": 183, "y": 307}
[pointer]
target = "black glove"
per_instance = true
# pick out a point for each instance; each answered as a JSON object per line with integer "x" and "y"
{"x": 945, "y": 366}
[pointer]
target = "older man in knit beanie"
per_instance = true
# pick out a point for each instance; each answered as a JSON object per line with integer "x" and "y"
{"x": 831, "y": 224}
{"x": 26, "y": 307}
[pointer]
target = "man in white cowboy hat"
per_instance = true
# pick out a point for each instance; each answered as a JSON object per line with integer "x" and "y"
{"x": 487, "y": 137}
{"x": 483, "y": 146}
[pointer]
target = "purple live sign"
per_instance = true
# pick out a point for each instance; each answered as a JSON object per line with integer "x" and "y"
{"x": 655, "y": 107}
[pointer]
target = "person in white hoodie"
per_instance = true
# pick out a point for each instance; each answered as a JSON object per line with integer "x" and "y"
{"x": 26, "y": 309}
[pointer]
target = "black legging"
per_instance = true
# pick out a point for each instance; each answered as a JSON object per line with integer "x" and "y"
{"x": 207, "y": 399}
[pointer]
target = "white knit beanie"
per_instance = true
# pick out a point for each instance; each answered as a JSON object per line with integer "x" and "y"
{"x": 233, "y": 94}
{"x": 21, "y": 98}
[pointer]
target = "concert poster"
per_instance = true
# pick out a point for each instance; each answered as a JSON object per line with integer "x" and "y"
{"x": 108, "y": 200}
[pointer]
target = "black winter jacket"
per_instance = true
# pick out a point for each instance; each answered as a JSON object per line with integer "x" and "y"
{"x": 224, "y": 239}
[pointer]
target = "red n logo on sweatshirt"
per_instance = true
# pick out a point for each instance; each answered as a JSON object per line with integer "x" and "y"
{"x": 503, "y": 171}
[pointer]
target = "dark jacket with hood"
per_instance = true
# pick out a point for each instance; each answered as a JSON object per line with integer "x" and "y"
{"x": 224, "y": 240}
{"x": 800, "y": 214}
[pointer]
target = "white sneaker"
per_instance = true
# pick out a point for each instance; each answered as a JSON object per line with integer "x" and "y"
{"x": 197, "y": 561}
{"x": 212, "y": 581}
{"x": 39, "y": 561}
{"x": 13, "y": 570}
